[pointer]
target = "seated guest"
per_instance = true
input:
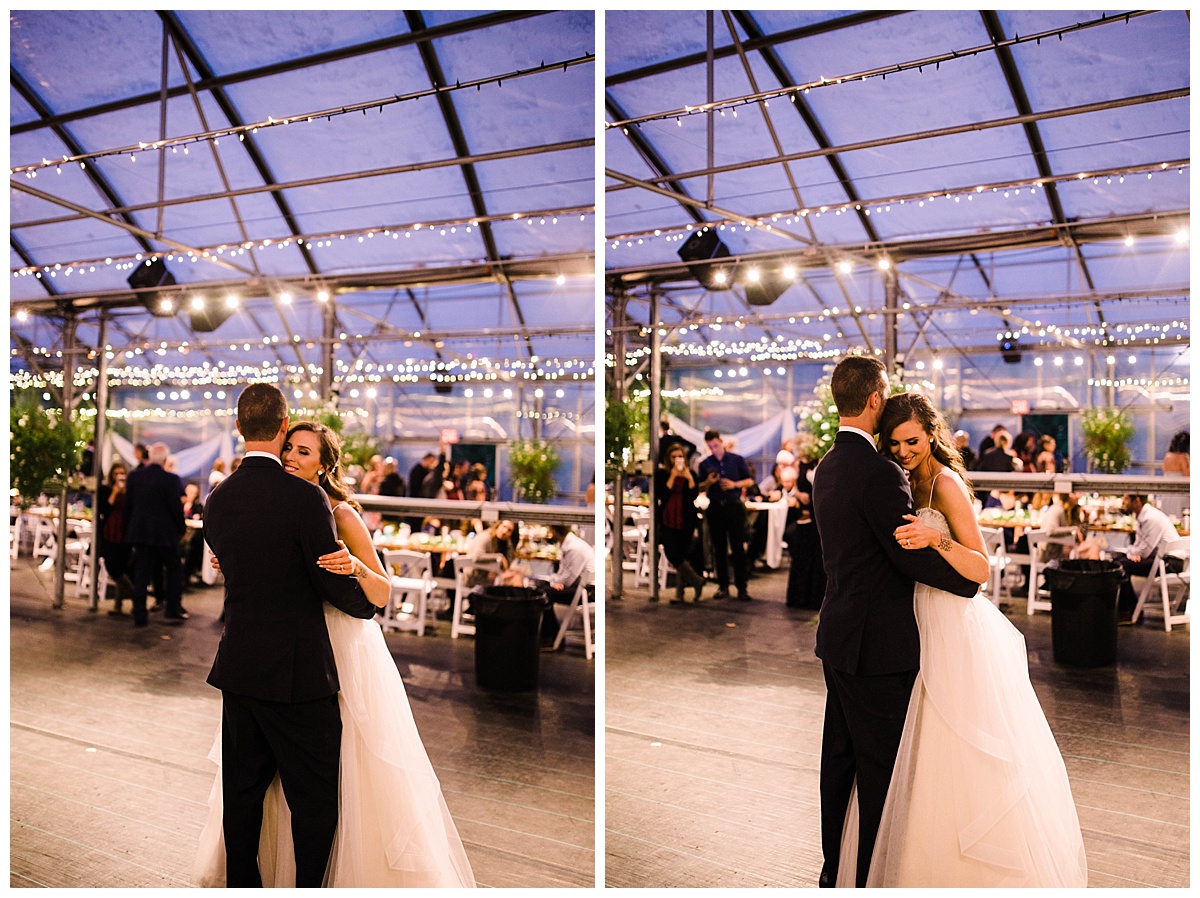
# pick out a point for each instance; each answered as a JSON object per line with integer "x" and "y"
{"x": 962, "y": 440}
{"x": 577, "y": 561}
{"x": 500, "y": 539}
{"x": 806, "y": 574}
{"x": 1152, "y": 528}
{"x": 1066, "y": 517}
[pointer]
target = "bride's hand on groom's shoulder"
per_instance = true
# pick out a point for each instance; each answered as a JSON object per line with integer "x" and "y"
{"x": 915, "y": 535}
{"x": 339, "y": 562}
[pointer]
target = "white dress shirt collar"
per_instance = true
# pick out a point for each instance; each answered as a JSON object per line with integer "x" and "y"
{"x": 256, "y": 454}
{"x": 862, "y": 433}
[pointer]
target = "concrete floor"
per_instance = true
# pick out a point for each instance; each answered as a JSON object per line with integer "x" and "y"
{"x": 713, "y": 719}
{"x": 110, "y": 728}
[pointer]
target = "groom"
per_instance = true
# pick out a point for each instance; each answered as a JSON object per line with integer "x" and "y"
{"x": 867, "y": 635}
{"x": 274, "y": 665}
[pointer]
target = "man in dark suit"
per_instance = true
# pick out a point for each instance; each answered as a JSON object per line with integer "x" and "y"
{"x": 154, "y": 526}
{"x": 274, "y": 665}
{"x": 867, "y": 637}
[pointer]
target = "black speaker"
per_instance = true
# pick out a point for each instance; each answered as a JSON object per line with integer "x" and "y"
{"x": 1008, "y": 349}
{"x": 209, "y": 318}
{"x": 442, "y": 387}
{"x": 152, "y": 273}
{"x": 766, "y": 289}
{"x": 702, "y": 247}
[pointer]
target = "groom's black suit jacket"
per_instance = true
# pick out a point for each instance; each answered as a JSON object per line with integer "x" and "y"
{"x": 867, "y": 626}
{"x": 268, "y": 528}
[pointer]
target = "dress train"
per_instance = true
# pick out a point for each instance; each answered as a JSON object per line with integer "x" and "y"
{"x": 979, "y": 795}
{"x": 394, "y": 828}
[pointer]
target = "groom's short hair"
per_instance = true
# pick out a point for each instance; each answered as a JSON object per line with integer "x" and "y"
{"x": 854, "y": 379}
{"x": 260, "y": 412}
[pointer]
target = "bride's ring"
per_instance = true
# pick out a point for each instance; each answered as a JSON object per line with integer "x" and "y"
{"x": 906, "y": 543}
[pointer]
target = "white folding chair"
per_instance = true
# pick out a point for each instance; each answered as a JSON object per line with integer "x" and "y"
{"x": 993, "y": 541}
{"x": 83, "y": 585}
{"x": 79, "y": 544}
{"x": 15, "y": 517}
{"x": 642, "y": 565}
{"x": 665, "y": 569}
{"x": 583, "y": 607}
{"x": 1039, "y": 595}
{"x": 45, "y": 537}
{"x": 411, "y": 574}
{"x": 1173, "y": 588}
{"x": 460, "y": 620}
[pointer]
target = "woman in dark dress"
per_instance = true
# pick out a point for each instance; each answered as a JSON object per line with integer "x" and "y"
{"x": 117, "y": 555}
{"x": 675, "y": 515}
{"x": 806, "y": 575}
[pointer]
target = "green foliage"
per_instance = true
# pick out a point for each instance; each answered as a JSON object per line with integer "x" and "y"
{"x": 533, "y": 463}
{"x": 1106, "y": 436}
{"x": 626, "y": 430}
{"x": 44, "y": 449}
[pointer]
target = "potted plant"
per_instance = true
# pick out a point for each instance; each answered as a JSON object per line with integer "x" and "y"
{"x": 1106, "y": 436}
{"x": 533, "y": 463}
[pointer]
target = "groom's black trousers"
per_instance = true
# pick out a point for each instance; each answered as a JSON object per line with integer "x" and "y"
{"x": 864, "y": 719}
{"x": 301, "y": 742}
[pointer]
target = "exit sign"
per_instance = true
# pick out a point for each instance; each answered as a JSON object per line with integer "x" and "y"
{"x": 1019, "y": 406}
{"x": 449, "y": 435}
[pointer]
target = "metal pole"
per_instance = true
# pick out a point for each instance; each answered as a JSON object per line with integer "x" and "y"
{"x": 326, "y": 383}
{"x": 891, "y": 323}
{"x": 68, "y": 398}
{"x": 655, "y": 417}
{"x": 618, "y": 396}
{"x": 98, "y": 455}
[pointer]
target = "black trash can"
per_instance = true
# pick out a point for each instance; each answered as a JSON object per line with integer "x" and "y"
{"x": 507, "y": 626}
{"x": 1083, "y": 612}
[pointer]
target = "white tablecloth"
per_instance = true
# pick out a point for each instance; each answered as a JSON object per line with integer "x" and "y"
{"x": 776, "y": 521}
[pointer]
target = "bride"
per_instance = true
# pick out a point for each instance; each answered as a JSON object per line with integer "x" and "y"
{"x": 979, "y": 794}
{"x": 394, "y": 828}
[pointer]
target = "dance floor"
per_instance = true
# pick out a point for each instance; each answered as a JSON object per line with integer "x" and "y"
{"x": 713, "y": 731}
{"x": 110, "y": 728}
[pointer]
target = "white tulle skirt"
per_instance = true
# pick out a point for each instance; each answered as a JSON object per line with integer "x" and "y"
{"x": 394, "y": 829}
{"x": 979, "y": 795}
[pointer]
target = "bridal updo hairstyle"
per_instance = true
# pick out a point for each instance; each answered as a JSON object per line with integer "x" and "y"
{"x": 331, "y": 460}
{"x": 260, "y": 411}
{"x": 915, "y": 407}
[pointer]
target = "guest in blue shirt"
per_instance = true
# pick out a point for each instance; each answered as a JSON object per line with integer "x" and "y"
{"x": 723, "y": 475}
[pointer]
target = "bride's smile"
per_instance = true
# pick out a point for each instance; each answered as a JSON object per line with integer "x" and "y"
{"x": 302, "y": 455}
{"x": 909, "y": 445}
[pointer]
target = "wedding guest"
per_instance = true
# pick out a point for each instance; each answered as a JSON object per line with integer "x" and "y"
{"x": 989, "y": 441}
{"x": 154, "y": 525}
{"x": 1025, "y": 447}
{"x": 675, "y": 495}
{"x": 1152, "y": 528}
{"x": 217, "y": 474}
{"x": 393, "y": 484}
{"x": 962, "y": 440}
{"x": 723, "y": 476}
{"x": 502, "y": 539}
{"x": 1177, "y": 463}
{"x": 193, "y": 544}
{"x": 999, "y": 459}
{"x": 577, "y": 561}
{"x": 1178, "y": 458}
{"x": 117, "y": 553}
{"x": 1066, "y": 517}
{"x": 806, "y": 573}
{"x": 477, "y": 488}
{"x": 1046, "y": 461}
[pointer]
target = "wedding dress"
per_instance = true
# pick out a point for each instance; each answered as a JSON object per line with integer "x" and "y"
{"x": 979, "y": 795}
{"x": 394, "y": 828}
